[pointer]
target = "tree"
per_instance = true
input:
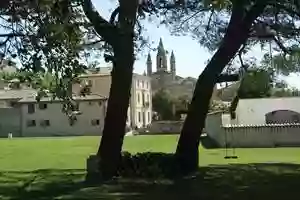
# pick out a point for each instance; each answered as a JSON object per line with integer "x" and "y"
{"x": 250, "y": 23}
{"x": 257, "y": 83}
{"x": 236, "y": 35}
{"x": 119, "y": 34}
{"x": 52, "y": 40}
{"x": 163, "y": 105}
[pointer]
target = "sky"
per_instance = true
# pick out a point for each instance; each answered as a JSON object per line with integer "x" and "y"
{"x": 190, "y": 56}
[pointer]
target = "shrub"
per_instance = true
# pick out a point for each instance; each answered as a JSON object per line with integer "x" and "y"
{"x": 147, "y": 165}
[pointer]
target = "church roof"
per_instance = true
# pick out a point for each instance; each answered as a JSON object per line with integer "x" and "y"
{"x": 160, "y": 48}
{"x": 149, "y": 58}
{"x": 172, "y": 56}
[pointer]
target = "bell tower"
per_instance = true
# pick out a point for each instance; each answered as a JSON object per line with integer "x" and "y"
{"x": 149, "y": 65}
{"x": 161, "y": 58}
{"x": 173, "y": 65}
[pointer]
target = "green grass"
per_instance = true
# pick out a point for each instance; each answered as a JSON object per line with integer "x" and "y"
{"x": 53, "y": 168}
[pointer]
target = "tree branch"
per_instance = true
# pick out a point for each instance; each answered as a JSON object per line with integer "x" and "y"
{"x": 192, "y": 16}
{"x": 4, "y": 42}
{"x": 282, "y": 7}
{"x": 256, "y": 10}
{"x": 106, "y": 30}
{"x": 92, "y": 43}
{"x": 114, "y": 14}
{"x": 10, "y": 35}
{"x": 281, "y": 46}
{"x": 209, "y": 20}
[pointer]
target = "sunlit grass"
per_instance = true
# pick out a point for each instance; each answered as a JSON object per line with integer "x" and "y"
{"x": 54, "y": 168}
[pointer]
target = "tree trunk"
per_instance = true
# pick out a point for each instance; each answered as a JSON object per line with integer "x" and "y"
{"x": 236, "y": 35}
{"x": 116, "y": 115}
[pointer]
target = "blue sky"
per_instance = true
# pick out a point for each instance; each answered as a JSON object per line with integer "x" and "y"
{"x": 190, "y": 56}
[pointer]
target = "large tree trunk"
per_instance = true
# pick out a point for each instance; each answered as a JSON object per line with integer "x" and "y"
{"x": 116, "y": 115}
{"x": 236, "y": 35}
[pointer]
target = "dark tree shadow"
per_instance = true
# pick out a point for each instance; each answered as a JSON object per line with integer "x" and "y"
{"x": 253, "y": 181}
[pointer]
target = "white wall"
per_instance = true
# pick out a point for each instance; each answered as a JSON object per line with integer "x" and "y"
{"x": 59, "y": 122}
{"x": 141, "y": 86}
{"x": 253, "y": 111}
{"x": 265, "y": 135}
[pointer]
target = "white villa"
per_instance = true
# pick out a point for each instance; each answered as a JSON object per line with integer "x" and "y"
{"x": 140, "y": 107}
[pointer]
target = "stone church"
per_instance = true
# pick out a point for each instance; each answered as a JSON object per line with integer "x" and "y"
{"x": 164, "y": 78}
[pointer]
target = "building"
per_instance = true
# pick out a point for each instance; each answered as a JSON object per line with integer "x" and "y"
{"x": 23, "y": 116}
{"x": 140, "y": 107}
{"x": 267, "y": 111}
{"x": 141, "y": 101}
{"x": 167, "y": 79}
{"x": 263, "y": 122}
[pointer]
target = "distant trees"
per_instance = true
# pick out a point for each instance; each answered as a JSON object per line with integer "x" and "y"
{"x": 163, "y": 105}
{"x": 167, "y": 107}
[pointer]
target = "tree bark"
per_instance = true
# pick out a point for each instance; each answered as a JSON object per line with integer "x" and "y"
{"x": 116, "y": 115}
{"x": 236, "y": 35}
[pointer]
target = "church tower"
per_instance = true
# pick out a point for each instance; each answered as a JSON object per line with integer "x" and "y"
{"x": 149, "y": 65}
{"x": 161, "y": 58}
{"x": 173, "y": 65}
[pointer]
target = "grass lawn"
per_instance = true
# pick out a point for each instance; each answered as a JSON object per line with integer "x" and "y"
{"x": 53, "y": 168}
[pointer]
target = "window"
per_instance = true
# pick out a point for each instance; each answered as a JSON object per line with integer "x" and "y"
{"x": 148, "y": 99}
{"x": 95, "y": 122}
{"x": 45, "y": 123}
{"x": 13, "y": 104}
{"x": 31, "y": 108}
{"x": 91, "y": 103}
{"x": 100, "y": 103}
{"x": 143, "y": 98}
{"x": 147, "y": 85}
{"x": 138, "y": 84}
{"x": 43, "y": 106}
{"x": 90, "y": 83}
{"x": 149, "y": 117}
{"x": 31, "y": 123}
{"x": 160, "y": 63}
{"x": 142, "y": 84}
{"x": 138, "y": 97}
{"x": 139, "y": 116}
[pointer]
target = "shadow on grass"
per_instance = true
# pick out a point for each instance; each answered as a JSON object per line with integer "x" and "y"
{"x": 253, "y": 181}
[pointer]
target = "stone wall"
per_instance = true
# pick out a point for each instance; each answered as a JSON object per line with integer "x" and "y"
{"x": 165, "y": 127}
{"x": 213, "y": 122}
{"x": 265, "y": 135}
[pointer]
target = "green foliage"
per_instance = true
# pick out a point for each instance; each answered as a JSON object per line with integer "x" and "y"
{"x": 163, "y": 105}
{"x": 285, "y": 92}
{"x": 257, "y": 83}
{"x": 207, "y": 21}
{"x": 147, "y": 165}
{"x": 48, "y": 38}
{"x": 283, "y": 64}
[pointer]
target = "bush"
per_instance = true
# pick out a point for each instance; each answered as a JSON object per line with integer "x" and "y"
{"x": 147, "y": 165}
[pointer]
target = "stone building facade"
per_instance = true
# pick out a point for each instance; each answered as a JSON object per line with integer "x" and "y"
{"x": 167, "y": 79}
{"x": 140, "y": 107}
